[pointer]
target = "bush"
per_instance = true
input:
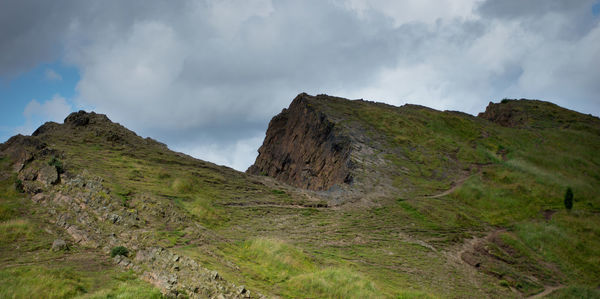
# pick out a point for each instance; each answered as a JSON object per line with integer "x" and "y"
{"x": 56, "y": 163}
{"x": 19, "y": 186}
{"x": 119, "y": 250}
{"x": 504, "y": 101}
{"x": 569, "y": 199}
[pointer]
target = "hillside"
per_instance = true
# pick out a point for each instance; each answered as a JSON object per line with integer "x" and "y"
{"x": 346, "y": 199}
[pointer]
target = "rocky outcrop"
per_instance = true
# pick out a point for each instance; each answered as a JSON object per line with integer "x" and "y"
{"x": 89, "y": 215}
{"x": 526, "y": 113}
{"x": 505, "y": 114}
{"x": 304, "y": 148}
{"x": 86, "y": 211}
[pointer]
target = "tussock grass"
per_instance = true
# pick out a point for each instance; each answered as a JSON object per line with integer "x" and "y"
{"x": 570, "y": 240}
{"x": 44, "y": 282}
{"x": 332, "y": 283}
{"x": 125, "y": 286}
{"x": 273, "y": 260}
{"x": 40, "y": 282}
{"x": 15, "y": 230}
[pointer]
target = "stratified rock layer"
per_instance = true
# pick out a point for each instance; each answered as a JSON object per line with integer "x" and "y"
{"x": 302, "y": 148}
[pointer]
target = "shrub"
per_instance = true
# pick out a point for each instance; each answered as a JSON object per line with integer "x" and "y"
{"x": 504, "y": 101}
{"x": 119, "y": 250}
{"x": 569, "y": 199}
{"x": 19, "y": 186}
{"x": 58, "y": 164}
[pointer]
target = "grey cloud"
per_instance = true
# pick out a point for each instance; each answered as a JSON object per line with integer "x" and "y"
{"x": 29, "y": 34}
{"x": 206, "y": 76}
{"x": 517, "y": 8}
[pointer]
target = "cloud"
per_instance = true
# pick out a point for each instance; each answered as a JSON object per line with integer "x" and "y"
{"x": 206, "y": 76}
{"x": 240, "y": 154}
{"x": 51, "y": 75}
{"x": 36, "y": 113}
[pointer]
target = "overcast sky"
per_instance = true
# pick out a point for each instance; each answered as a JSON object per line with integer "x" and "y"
{"x": 205, "y": 77}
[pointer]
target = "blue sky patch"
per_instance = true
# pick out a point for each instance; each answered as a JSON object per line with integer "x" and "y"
{"x": 41, "y": 84}
{"x": 596, "y": 9}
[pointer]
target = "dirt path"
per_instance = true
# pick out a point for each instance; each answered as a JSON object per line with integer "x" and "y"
{"x": 457, "y": 184}
{"x": 274, "y": 206}
{"x": 469, "y": 245}
{"x": 547, "y": 291}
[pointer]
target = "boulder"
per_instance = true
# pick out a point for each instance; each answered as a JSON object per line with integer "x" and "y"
{"x": 47, "y": 175}
{"x": 59, "y": 245}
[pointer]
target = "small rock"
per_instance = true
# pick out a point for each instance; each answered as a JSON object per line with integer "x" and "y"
{"x": 38, "y": 197}
{"x": 48, "y": 175}
{"x": 59, "y": 245}
{"x": 214, "y": 275}
{"x": 117, "y": 258}
{"x": 172, "y": 279}
{"x": 114, "y": 218}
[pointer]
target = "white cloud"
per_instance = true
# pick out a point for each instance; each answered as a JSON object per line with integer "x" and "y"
{"x": 238, "y": 155}
{"x": 425, "y": 11}
{"x": 36, "y": 113}
{"x": 206, "y": 76}
{"x": 52, "y": 75}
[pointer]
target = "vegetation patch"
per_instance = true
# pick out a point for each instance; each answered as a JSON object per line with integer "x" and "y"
{"x": 40, "y": 282}
{"x": 332, "y": 283}
{"x": 119, "y": 250}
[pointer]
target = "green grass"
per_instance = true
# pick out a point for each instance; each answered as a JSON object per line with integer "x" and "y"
{"x": 15, "y": 230}
{"x": 40, "y": 282}
{"x": 388, "y": 248}
{"x": 271, "y": 260}
{"x": 125, "y": 285}
{"x": 65, "y": 282}
{"x": 581, "y": 292}
{"x": 332, "y": 283}
{"x": 570, "y": 240}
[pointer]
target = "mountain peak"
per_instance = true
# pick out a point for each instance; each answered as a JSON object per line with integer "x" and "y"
{"x": 526, "y": 113}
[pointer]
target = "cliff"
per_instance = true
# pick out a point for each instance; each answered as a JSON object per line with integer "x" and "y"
{"x": 304, "y": 148}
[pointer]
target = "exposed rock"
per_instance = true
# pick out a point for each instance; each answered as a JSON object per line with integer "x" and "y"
{"x": 38, "y": 197}
{"x": 47, "y": 175}
{"x": 45, "y": 128}
{"x": 78, "y": 119}
{"x": 28, "y": 174}
{"x": 59, "y": 245}
{"x": 32, "y": 187}
{"x": 302, "y": 149}
{"x": 525, "y": 113}
{"x": 505, "y": 114}
{"x": 81, "y": 236}
{"x": 114, "y": 218}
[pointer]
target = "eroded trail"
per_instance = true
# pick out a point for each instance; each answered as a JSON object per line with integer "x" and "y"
{"x": 458, "y": 183}
{"x": 547, "y": 291}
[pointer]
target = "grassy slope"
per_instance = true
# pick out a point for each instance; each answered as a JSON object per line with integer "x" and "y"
{"x": 402, "y": 248}
{"x": 29, "y": 269}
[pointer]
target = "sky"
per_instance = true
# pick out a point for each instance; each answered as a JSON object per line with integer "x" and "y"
{"x": 205, "y": 77}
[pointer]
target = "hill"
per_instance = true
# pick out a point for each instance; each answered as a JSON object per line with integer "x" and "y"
{"x": 346, "y": 199}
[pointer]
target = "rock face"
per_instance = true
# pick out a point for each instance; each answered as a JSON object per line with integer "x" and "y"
{"x": 302, "y": 148}
{"x": 505, "y": 114}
